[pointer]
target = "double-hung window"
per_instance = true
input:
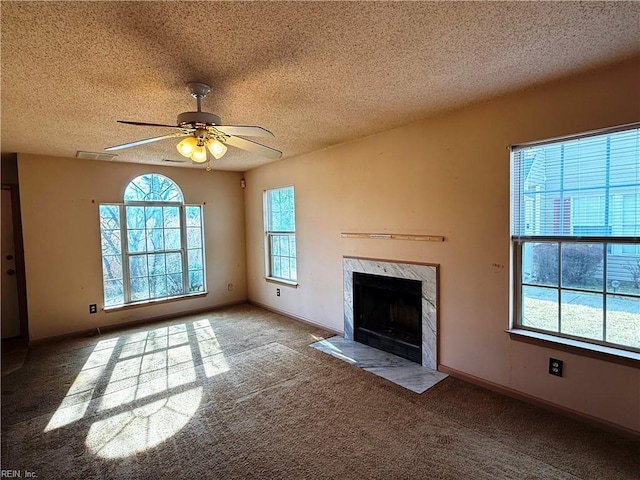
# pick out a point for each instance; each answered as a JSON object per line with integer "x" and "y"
{"x": 280, "y": 234}
{"x": 152, "y": 244}
{"x": 575, "y": 231}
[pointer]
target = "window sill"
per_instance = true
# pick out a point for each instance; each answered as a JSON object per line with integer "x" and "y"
{"x": 280, "y": 281}
{"x": 600, "y": 352}
{"x": 148, "y": 303}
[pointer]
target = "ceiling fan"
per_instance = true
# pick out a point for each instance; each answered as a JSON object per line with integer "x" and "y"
{"x": 203, "y": 132}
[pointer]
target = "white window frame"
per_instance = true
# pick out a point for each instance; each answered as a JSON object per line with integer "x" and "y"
{"x": 125, "y": 255}
{"x": 271, "y": 234}
{"x": 611, "y": 246}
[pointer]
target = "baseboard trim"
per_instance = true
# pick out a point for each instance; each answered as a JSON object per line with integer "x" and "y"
{"x": 294, "y": 317}
{"x": 553, "y": 407}
{"x": 142, "y": 321}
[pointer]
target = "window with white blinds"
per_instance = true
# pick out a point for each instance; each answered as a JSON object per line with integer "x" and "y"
{"x": 575, "y": 230}
{"x": 587, "y": 186}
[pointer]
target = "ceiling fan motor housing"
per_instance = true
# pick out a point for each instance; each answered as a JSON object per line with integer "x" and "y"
{"x": 192, "y": 119}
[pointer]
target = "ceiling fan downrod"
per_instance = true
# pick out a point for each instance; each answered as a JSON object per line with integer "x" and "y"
{"x": 194, "y": 119}
{"x": 198, "y": 91}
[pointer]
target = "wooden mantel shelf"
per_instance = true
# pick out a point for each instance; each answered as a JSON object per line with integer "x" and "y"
{"x": 394, "y": 236}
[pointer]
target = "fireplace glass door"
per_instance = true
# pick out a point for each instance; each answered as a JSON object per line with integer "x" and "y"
{"x": 388, "y": 314}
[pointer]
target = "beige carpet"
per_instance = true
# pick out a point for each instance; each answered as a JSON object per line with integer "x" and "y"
{"x": 238, "y": 393}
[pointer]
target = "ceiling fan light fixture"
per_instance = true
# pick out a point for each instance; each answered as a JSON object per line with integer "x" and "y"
{"x": 187, "y": 146}
{"x": 217, "y": 148}
{"x": 199, "y": 155}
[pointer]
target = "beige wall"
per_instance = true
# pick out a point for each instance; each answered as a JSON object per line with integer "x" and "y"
{"x": 448, "y": 175}
{"x": 59, "y": 199}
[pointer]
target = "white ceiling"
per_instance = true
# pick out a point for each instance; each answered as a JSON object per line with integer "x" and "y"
{"x": 314, "y": 73}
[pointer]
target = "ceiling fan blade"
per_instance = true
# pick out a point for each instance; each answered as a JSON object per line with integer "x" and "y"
{"x": 254, "y": 147}
{"x": 143, "y": 124}
{"x": 146, "y": 140}
{"x": 244, "y": 130}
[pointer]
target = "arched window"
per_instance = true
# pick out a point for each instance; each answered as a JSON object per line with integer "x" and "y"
{"x": 152, "y": 244}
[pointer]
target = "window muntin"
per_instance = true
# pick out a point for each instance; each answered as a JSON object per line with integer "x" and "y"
{"x": 575, "y": 221}
{"x": 152, "y": 245}
{"x": 280, "y": 223}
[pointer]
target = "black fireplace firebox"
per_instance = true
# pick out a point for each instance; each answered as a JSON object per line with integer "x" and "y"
{"x": 387, "y": 314}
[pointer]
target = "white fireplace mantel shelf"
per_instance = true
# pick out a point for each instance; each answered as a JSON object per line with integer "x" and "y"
{"x": 394, "y": 236}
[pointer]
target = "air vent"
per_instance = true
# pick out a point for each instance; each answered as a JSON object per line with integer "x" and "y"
{"x": 171, "y": 160}
{"x": 95, "y": 156}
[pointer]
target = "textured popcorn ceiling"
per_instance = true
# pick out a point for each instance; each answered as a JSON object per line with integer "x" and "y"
{"x": 315, "y": 74}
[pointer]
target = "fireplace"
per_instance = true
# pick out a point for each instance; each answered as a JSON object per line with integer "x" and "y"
{"x": 424, "y": 274}
{"x": 388, "y": 314}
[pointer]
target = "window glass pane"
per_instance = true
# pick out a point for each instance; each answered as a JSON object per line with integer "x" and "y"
{"x": 137, "y": 241}
{"x": 275, "y": 267}
{"x": 540, "y": 263}
{"x": 156, "y": 264}
{"x": 153, "y": 217}
{"x": 109, "y": 217}
{"x": 194, "y": 237}
{"x": 582, "y": 314}
{"x": 113, "y": 293}
{"x": 273, "y": 204}
{"x": 111, "y": 242}
{"x": 174, "y": 263}
{"x": 172, "y": 239}
{"x": 139, "y": 288}
{"x": 138, "y": 266}
{"x": 284, "y": 267}
{"x": 194, "y": 216}
{"x": 158, "y": 286}
{"x": 623, "y": 270}
{"x": 155, "y": 240}
{"x": 281, "y": 210}
{"x": 540, "y": 308}
{"x": 165, "y": 190}
{"x": 284, "y": 245}
{"x": 171, "y": 217}
{"x": 287, "y": 221}
{"x": 292, "y": 246}
{"x": 174, "y": 284}
{"x": 135, "y": 217}
{"x": 196, "y": 281}
{"x": 582, "y": 265}
{"x": 153, "y": 188}
{"x": 195, "y": 259}
{"x": 111, "y": 267}
{"x": 275, "y": 244}
{"x": 623, "y": 320}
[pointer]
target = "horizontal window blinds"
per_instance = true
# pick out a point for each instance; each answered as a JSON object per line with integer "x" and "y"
{"x": 587, "y": 186}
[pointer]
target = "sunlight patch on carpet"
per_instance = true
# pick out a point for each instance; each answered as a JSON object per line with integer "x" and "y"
{"x": 75, "y": 403}
{"x": 143, "y": 427}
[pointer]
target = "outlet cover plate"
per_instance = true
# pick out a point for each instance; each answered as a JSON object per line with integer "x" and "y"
{"x": 555, "y": 367}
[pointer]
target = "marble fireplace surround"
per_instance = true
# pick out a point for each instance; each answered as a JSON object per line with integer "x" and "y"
{"x": 426, "y": 273}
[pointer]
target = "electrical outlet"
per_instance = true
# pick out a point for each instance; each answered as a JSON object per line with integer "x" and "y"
{"x": 93, "y": 308}
{"x": 277, "y": 292}
{"x": 230, "y": 286}
{"x": 555, "y": 367}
